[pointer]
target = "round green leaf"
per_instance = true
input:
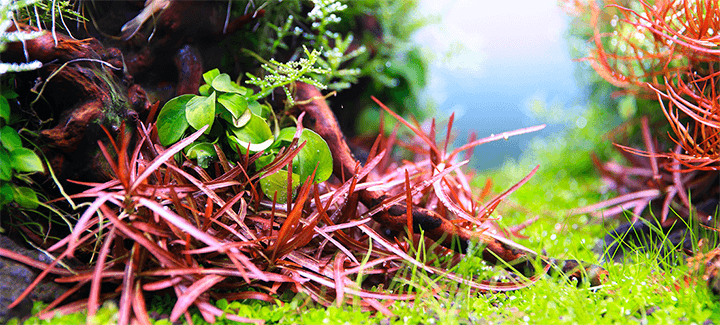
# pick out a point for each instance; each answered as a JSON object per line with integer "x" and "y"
{"x": 255, "y": 135}
{"x": 25, "y": 197}
{"x": 243, "y": 119}
{"x": 171, "y": 122}
{"x": 264, "y": 160}
{"x": 224, "y": 84}
{"x": 4, "y": 109}
{"x": 285, "y": 137}
{"x": 211, "y": 75}
{"x": 203, "y": 152}
{"x": 26, "y": 160}
{"x": 10, "y": 138}
{"x": 200, "y": 111}
{"x": 256, "y": 108}
{"x": 315, "y": 153}
{"x": 277, "y": 182}
{"x": 234, "y": 103}
{"x": 204, "y": 90}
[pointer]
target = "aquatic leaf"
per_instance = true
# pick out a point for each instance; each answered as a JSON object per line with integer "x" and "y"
{"x": 200, "y": 111}
{"x": 316, "y": 153}
{"x": 203, "y": 152}
{"x": 204, "y": 90}
{"x": 277, "y": 182}
{"x": 10, "y": 138}
{"x": 237, "y": 122}
{"x": 4, "y": 109}
{"x": 25, "y": 160}
{"x": 285, "y": 137}
{"x": 6, "y": 194}
{"x": 257, "y": 108}
{"x": 211, "y": 75}
{"x": 171, "y": 122}
{"x": 25, "y": 197}
{"x": 5, "y": 166}
{"x": 245, "y": 145}
{"x": 243, "y": 119}
{"x": 233, "y": 103}
{"x": 255, "y": 135}
{"x": 224, "y": 84}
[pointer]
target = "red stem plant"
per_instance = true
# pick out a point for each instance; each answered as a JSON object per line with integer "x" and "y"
{"x": 666, "y": 50}
{"x": 169, "y": 227}
{"x": 670, "y": 50}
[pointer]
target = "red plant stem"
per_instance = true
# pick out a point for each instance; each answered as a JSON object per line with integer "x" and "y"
{"x": 321, "y": 119}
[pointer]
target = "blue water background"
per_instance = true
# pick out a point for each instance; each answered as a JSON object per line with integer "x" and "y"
{"x": 491, "y": 61}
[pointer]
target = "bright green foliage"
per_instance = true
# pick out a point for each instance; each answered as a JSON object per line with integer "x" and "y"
{"x": 255, "y": 135}
{"x": 241, "y": 126}
{"x": 239, "y": 123}
{"x": 171, "y": 121}
{"x": 367, "y": 41}
{"x": 15, "y": 162}
{"x": 277, "y": 183}
{"x": 200, "y": 111}
{"x": 315, "y": 154}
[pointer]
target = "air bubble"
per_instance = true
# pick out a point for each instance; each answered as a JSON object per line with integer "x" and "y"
{"x": 581, "y": 122}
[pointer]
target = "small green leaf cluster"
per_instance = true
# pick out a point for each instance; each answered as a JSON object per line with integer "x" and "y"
{"x": 16, "y": 161}
{"x": 225, "y": 107}
{"x": 239, "y": 124}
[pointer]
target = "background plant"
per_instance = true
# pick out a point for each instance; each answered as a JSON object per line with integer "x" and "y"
{"x": 362, "y": 43}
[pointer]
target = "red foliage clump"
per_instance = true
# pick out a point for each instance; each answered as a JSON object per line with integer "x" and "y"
{"x": 669, "y": 49}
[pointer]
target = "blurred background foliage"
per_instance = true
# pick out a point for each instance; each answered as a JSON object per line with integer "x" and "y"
{"x": 367, "y": 45}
